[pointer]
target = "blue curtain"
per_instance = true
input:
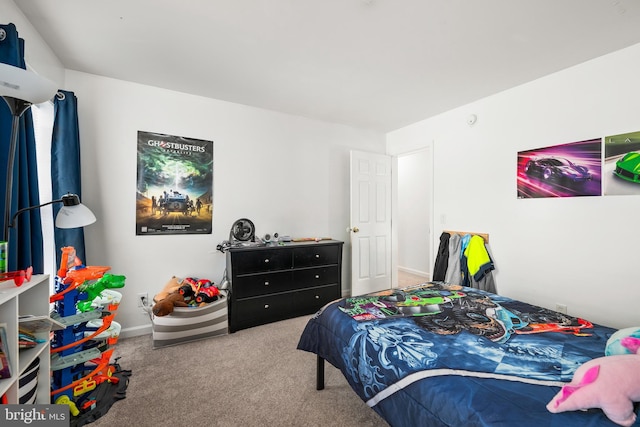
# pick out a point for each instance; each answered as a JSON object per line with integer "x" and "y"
{"x": 25, "y": 241}
{"x": 65, "y": 167}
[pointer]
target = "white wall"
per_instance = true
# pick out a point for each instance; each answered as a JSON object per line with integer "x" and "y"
{"x": 581, "y": 251}
{"x": 285, "y": 173}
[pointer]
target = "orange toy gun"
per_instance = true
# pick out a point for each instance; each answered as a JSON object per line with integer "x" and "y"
{"x": 82, "y": 274}
{"x": 77, "y": 277}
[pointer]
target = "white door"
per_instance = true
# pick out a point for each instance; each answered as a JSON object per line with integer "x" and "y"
{"x": 370, "y": 222}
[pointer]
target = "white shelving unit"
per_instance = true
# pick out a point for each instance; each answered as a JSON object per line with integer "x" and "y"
{"x": 31, "y": 297}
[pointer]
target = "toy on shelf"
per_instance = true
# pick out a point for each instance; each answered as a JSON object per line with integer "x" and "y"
{"x": 18, "y": 276}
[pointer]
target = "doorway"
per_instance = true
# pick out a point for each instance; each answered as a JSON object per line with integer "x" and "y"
{"x": 413, "y": 222}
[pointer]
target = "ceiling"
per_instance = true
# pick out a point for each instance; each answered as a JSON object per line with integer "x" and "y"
{"x": 375, "y": 64}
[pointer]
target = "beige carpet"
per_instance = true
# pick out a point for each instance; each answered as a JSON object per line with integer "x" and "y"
{"x": 254, "y": 377}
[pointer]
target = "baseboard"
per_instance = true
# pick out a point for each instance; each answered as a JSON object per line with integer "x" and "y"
{"x": 424, "y": 274}
{"x": 135, "y": 331}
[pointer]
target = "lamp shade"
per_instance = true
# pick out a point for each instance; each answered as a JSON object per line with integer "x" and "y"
{"x": 73, "y": 216}
{"x": 18, "y": 83}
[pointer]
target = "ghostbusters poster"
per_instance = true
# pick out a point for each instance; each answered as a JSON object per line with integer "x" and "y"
{"x": 175, "y": 185}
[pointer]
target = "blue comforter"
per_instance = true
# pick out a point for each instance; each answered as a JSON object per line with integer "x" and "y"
{"x": 441, "y": 355}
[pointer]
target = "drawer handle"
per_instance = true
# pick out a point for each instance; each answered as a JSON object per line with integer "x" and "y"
{"x": 317, "y": 276}
{"x": 317, "y": 255}
{"x": 266, "y": 283}
{"x": 317, "y": 296}
{"x": 266, "y": 260}
{"x": 266, "y": 306}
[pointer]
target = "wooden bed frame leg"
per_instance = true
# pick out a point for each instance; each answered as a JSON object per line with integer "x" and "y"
{"x": 320, "y": 374}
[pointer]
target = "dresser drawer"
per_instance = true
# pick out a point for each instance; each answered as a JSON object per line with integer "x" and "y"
{"x": 318, "y": 276}
{"x": 256, "y": 261}
{"x": 316, "y": 255}
{"x": 262, "y": 283}
{"x": 311, "y": 300}
{"x": 260, "y": 310}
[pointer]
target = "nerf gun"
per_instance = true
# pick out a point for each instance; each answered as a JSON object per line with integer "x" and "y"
{"x": 93, "y": 290}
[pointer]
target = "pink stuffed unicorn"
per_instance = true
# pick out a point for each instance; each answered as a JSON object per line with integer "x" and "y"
{"x": 611, "y": 383}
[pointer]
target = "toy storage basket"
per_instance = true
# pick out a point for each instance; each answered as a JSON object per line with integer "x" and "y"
{"x": 191, "y": 323}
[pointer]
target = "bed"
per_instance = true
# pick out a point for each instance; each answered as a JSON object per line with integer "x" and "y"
{"x": 447, "y": 355}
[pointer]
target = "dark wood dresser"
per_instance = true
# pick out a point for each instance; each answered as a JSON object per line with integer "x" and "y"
{"x": 281, "y": 281}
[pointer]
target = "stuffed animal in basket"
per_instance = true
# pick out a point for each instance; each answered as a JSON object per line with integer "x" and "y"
{"x": 165, "y": 305}
{"x": 170, "y": 287}
{"x": 611, "y": 383}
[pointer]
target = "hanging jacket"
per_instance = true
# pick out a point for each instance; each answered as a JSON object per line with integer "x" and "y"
{"x": 478, "y": 259}
{"x": 454, "y": 274}
{"x": 464, "y": 270}
{"x": 442, "y": 258}
{"x": 487, "y": 283}
{"x": 476, "y": 262}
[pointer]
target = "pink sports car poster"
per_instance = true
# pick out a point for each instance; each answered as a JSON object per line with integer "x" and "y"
{"x": 566, "y": 170}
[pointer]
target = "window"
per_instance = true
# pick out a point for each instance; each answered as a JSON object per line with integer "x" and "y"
{"x": 43, "y": 130}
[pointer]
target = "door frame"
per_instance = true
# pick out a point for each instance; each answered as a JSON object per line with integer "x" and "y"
{"x": 394, "y": 216}
{"x": 394, "y": 211}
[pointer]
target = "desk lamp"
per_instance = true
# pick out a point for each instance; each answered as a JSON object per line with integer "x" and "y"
{"x": 72, "y": 214}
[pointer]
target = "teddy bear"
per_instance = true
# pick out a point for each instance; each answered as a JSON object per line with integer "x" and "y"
{"x": 165, "y": 305}
{"x": 171, "y": 286}
{"x": 611, "y": 383}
